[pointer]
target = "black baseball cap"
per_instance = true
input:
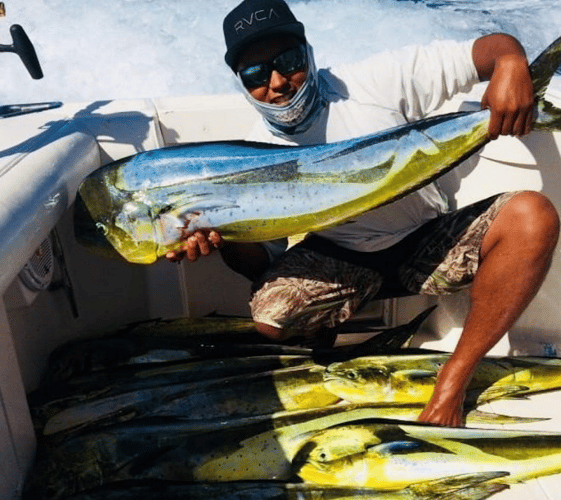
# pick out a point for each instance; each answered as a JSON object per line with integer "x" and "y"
{"x": 256, "y": 19}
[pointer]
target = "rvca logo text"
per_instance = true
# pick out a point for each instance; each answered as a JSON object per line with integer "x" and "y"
{"x": 255, "y": 17}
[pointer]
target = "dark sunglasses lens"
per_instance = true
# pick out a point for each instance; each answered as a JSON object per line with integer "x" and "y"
{"x": 290, "y": 61}
{"x": 254, "y": 76}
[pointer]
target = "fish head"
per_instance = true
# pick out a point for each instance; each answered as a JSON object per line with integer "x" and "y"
{"x": 334, "y": 455}
{"x": 367, "y": 453}
{"x": 123, "y": 218}
{"x": 354, "y": 382}
{"x": 131, "y": 232}
{"x": 380, "y": 379}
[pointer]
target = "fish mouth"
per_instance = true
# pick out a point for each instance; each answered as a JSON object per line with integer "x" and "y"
{"x": 330, "y": 378}
{"x": 318, "y": 474}
{"x": 335, "y": 377}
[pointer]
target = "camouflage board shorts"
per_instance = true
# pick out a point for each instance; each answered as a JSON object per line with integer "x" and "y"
{"x": 317, "y": 284}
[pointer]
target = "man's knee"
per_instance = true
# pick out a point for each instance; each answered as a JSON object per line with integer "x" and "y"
{"x": 536, "y": 216}
{"x": 530, "y": 220}
{"x": 271, "y": 332}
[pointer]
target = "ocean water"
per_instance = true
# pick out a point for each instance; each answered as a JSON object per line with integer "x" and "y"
{"x": 111, "y": 49}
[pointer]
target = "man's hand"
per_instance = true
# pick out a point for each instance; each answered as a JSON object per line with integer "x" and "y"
{"x": 509, "y": 96}
{"x": 196, "y": 244}
{"x": 247, "y": 259}
{"x": 446, "y": 406}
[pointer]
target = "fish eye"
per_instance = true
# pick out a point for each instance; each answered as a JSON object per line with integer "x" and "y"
{"x": 351, "y": 374}
{"x": 321, "y": 455}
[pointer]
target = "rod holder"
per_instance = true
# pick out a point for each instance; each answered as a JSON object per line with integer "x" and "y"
{"x": 23, "y": 47}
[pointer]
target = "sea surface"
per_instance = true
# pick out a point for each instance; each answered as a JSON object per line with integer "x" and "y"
{"x": 110, "y": 49}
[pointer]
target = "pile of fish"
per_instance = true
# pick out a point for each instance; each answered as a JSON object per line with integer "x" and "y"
{"x": 161, "y": 410}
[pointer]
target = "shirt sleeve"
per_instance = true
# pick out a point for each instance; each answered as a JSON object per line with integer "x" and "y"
{"x": 414, "y": 80}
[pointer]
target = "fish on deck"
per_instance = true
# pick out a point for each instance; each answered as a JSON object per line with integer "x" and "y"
{"x": 463, "y": 487}
{"x": 257, "y": 192}
{"x": 181, "y": 387}
{"x": 387, "y": 455}
{"x": 238, "y": 396}
{"x": 192, "y": 339}
{"x": 265, "y": 448}
{"x": 253, "y": 449}
{"x": 407, "y": 379}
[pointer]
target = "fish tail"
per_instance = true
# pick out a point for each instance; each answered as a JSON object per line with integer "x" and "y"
{"x": 393, "y": 339}
{"x": 542, "y": 69}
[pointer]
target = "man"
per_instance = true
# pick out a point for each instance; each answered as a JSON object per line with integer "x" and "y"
{"x": 501, "y": 246}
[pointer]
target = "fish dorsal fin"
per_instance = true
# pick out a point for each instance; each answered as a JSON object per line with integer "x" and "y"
{"x": 462, "y": 442}
{"x": 413, "y": 374}
{"x": 393, "y": 448}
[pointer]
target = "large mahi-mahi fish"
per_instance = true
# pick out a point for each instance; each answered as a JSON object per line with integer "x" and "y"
{"x": 410, "y": 379}
{"x": 390, "y": 456}
{"x": 258, "y": 192}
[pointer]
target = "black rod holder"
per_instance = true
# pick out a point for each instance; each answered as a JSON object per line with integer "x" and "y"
{"x": 23, "y": 47}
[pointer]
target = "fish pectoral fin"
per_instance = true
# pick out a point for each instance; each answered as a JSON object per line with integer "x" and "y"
{"x": 449, "y": 484}
{"x": 393, "y": 448}
{"x": 497, "y": 418}
{"x": 502, "y": 392}
{"x": 414, "y": 374}
{"x": 195, "y": 206}
{"x": 294, "y": 239}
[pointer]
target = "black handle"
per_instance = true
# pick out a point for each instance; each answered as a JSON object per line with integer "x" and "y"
{"x": 23, "y": 47}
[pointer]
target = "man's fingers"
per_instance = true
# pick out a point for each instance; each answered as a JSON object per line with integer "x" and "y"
{"x": 193, "y": 245}
{"x": 519, "y": 127}
{"x": 516, "y": 124}
{"x": 529, "y": 121}
{"x": 507, "y": 126}
{"x": 495, "y": 125}
{"x": 215, "y": 239}
{"x": 175, "y": 256}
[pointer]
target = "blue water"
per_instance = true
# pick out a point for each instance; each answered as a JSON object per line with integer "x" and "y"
{"x": 111, "y": 49}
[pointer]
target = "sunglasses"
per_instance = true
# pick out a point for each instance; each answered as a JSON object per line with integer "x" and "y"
{"x": 287, "y": 62}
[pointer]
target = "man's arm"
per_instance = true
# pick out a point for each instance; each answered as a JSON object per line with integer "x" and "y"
{"x": 501, "y": 59}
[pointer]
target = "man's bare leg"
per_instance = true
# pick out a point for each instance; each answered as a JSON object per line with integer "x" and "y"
{"x": 515, "y": 256}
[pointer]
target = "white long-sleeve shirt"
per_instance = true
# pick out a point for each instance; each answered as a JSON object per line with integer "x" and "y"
{"x": 383, "y": 91}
